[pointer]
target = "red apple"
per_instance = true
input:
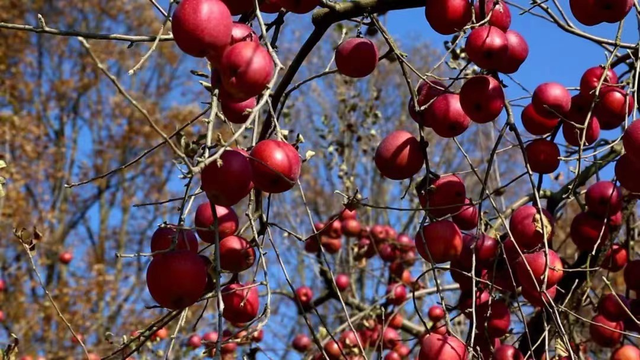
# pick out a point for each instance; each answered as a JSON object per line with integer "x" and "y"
{"x": 631, "y": 141}
{"x": 626, "y": 170}
{"x": 614, "y": 307}
{"x": 201, "y": 26}
{"x": 507, "y": 352}
{"x": 482, "y": 98}
{"x": 591, "y": 78}
{"x": 467, "y": 218}
{"x": 356, "y": 57}
{"x": 551, "y": 99}
{"x": 527, "y": 226}
{"x": 615, "y": 259}
{"x": 613, "y": 108}
{"x": 194, "y": 341}
{"x": 603, "y": 198}
{"x": 487, "y": 46}
{"x": 236, "y": 254}
{"x": 241, "y": 303}
{"x": 301, "y": 343}
{"x": 531, "y": 277}
{"x": 585, "y": 12}
{"x": 539, "y": 298}
{"x": 270, "y": 6}
{"x": 216, "y": 177}
{"x": 447, "y": 17}
{"x": 276, "y": 166}
{"x": 543, "y": 156}
{"x": 446, "y": 117}
{"x": 331, "y": 245}
{"x": 536, "y": 124}
{"x": 227, "y": 222}
{"x": 65, "y": 257}
{"x": 246, "y": 69}
{"x": 351, "y": 227}
{"x": 333, "y": 350}
{"x": 342, "y": 282}
{"x": 445, "y": 196}
{"x": 163, "y": 237}
{"x": 238, "y": 112}
{"x": 399, "y": 156}
{"x": 613, "y": 11}
{"x": 237, "y": 7}
{"x": 485, "y": 248}
{"x": 498, "y": 13}
{"x": 438, "y": 347}
{"x": 573, "y": 135}
{"x": 436, "y": 313}
{"x": 626, "y": 352}
{"x": 587, "y": 230}
{"x": 601, "y": 333}
{"x": 304, "y": 294}
{"x": 166, "y": 276}
{"x": 517, "y": 53}
{"x": 392, "y": 355}
{"x": 396, "y": 294}
{"x": 427, "y": 92}
{"x": 439, "y": 242}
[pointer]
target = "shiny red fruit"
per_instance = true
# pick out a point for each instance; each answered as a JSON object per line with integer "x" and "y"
{"x": 163, "y": 237}
{"x": 356, "y": 57}
{"x": 166, "y": 276}
{"x": 200, "y": 27}
{"x": 276, "y": 166}
{"x": 399, "y": 156}
{"x": 227, "y": 222}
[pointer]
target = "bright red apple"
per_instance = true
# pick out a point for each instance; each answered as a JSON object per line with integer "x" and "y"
{"x": 246, "y": 69}
{"x": 487, "y": 46}
{"x": 201, "y": 26}
{"x": 216, "y": 177}
{"x": 482, "y": 98}
{"x": 227, "y": 222}
{"x": 603, "y": 198}
{"x": 447, "y": 17}
{"x": 551, "y": 99}
{"x": 275, "y": 165}
{"x": 517, "y": 53}
{"x": 527, "y": 226}
{"x": 166, "y": 276}
{"x": 163, "y": 237}
{"x": 236, "y": 254}
{"x": 447, "y": 195}
{"x": 399, "y": 156}
{"x": 446, "y": 117}
{"x": 601, "y": 333}
{"x": 356, "y": 57}
{"x": 536, "y": 124}
{"x": 241, "y": 303}
{"x": 543, "y": 156}
{"x": 439, "y": 242}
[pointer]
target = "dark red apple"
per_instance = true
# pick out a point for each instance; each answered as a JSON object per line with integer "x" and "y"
{"x": 399, "y": 156}
{"x": 241, "y": 302}
{"x": 447, "y": 17}
{"x": 395, "y": 321}
{"x": 467, "y": 218}
{"x": 396, "y": 294}
{"x": 194, "y": 341}
{"x": 351, "y": 227}
{"x": 227, "y": 222}
{"x": 436, "y": 313}
{"x": 390, "y": 338}
{"x": 487, "y": 46}
{"x": 543, "y": 156}
{"x": 587, "y": 230}
{"x": 601, "y": 333}
{"x": 532, "y": 267}
{"x": 507, "y": 352}
{"x": 276, "y": 166}
{"x": 200, "y": 27}
{"x": 497, "y": 319}
{"x": 591, "y": 78}
{"x": 613, "y": 107}
{"x": 447, "y": 195}
{"x": 631, "y": 141}
{"x": 438, "y": 347}
{"x": 270, "y": 6}
{"x": 163, "y": 237}
{"x": 166, "y": 276}
{"x": 498, "y": 13}
{"x": 573, "y": 135}
{"x": 551, "y": 99}
{"x": 356, "y": 57}
{"x": 299, "y": 6}
{"x": 603, "y": 198}
{"x": 392, "y": 355}
{"x": 331, "y": 245}
{"x": 517, "y": 53}
{"x": 229, "y": 180}
{"x": 237, "y": 7}
{"x": 626, "y": 170}
{"x": 439, "y": 242}
{"x": 301, "y": 343}
{"x": 536, "y": 124}
{"x": 465, "y": 303}
{"x": 333, "y": 349}
{"x": 614, "y": 307}
{"x": 236, "y": 254}
{"x": 427, "y": 92}
{"x": 485, "y": 248}
{"x": 238, "y": 112}
{"x": 527, "y": 226}
{"x": 585, "y": 12}
{"x": 402, "y": 350}
{"x": 446, "y": 117}
{"x": 388, "y": 253}
{"x": 349, "y": 339}
{"x": 482, "y": 98}
{"x": 539, "y": 298}
{"x": 246, "y": 69}
{"x": 613, "y": 11}
{"x": 631, "y": 277}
